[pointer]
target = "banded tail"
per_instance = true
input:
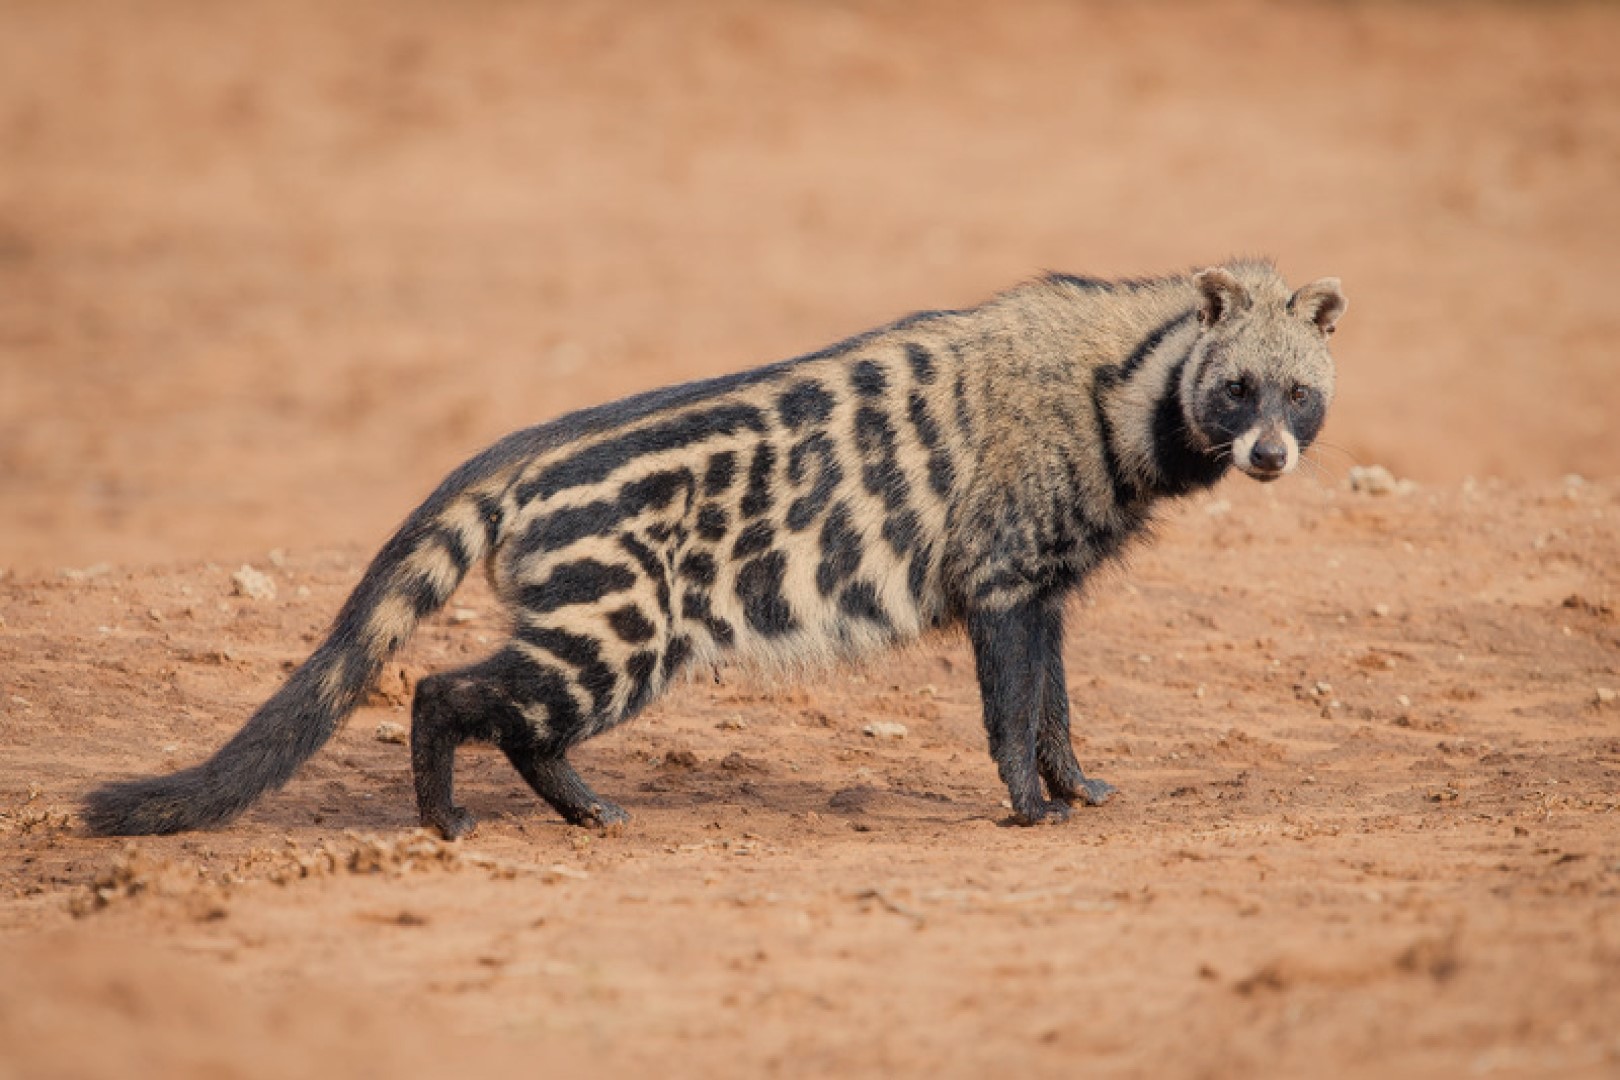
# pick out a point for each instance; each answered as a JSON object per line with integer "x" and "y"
{"x": 413, "y": 576}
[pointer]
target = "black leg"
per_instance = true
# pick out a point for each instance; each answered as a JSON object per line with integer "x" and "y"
{"x": 521, "y": 706}
{"x": 449, "y": 709}
{"x": 1053, "y": 751}
{"x": 555, "y": 781}
{"x": 1008, "y": 652}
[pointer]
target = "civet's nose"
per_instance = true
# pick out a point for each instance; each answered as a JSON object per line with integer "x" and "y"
{"x": 1269, "y": 456}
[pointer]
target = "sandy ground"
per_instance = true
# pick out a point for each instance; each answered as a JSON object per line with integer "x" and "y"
{"x": 267, "y": 272}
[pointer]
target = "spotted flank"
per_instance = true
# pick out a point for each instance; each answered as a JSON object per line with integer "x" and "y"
{"x": 955, "y": 469}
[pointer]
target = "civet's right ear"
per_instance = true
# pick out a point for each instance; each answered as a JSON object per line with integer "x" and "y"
{"x": 1220, "y": 295}
{"x": 1321, "y": 302}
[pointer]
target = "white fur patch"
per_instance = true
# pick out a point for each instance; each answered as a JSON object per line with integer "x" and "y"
{"x": 1243, "y": 448}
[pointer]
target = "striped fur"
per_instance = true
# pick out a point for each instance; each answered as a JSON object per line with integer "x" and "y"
{"x": 955, "y": 468}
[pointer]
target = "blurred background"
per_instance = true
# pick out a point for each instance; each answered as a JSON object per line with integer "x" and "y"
{"x": 268, "y": 270}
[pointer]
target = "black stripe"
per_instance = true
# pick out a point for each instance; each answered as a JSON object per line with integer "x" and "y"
{"x": 582, "y": 582}
{"x": 679, "y": 649}
{"x": 757, "y": 499}
{"x": 699, "y": 568}
{"x": 840, "y": 550}
{"x": 868, "y": 378}
{"x": 650, "y": 565}
{"x": 529, "y": 682}
{"x": 721, "y": 471}
{"x": 640, "y": 668}
{"x": 941, "y": 470}
{"x": 754, "y": 539}
{"x": 583, "y": 654}
{"x": 1124, "y": 489}
{"x": 560, "y": 528}
{"x": 860, "y": 601}
{"x": 1145, "y": 347}
{"x": 759, "y": 587}
{"x": 1182, "y": 466}
{"x": 711, "y": 522}
{"x": 595, "y": 463}
{"x": 804, "y": 403}
{"x": 964, "y": 415}
{"x": 631, "y": 625}
{"x": 695, "y": 608}
{"x": 806, "y": 508}
{"x": 922, "y": 363}
{"x": 917, "y": 574}
{"x": 454, "y": 546}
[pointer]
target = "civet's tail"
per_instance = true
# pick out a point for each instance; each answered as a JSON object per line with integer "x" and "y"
{"x": 413, "y": 576}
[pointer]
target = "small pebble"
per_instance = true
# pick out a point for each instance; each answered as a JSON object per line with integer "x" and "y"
{"x": 1607, "y": 696}
{"x": 884, "y": 729}
{"x": 1403, "y": 701}
{"x": 390, "y": 732}
{"x": 252, "y": 584}
{"x": 732, "y": 723}
{"x": 1377, "y": 480}
{"x": 1381, "y": 610}
{"x": 463, "y": 615}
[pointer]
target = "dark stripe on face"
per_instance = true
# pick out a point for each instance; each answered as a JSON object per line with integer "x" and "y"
{"x": 1145, "y": 347}
{"x": 840, "y": 550}
{"x": 1182, "y": 466}
{"x": 595, "y": 463}
{"x": 868, "y": 378}
{"x": 806, "y": 508}
{"x": 631, "y": 625}
{"x": 804, "y": 404}
{"x": 860, "y": 601}
{"x": 650, "y": 565}
{"x": 759, "y": 587}
{"x": 757, "y": 499}
{"x": 922, "y": 363}
{"x": 1305, "y": 419}
{"x": 583, "y": 582}
{"x": 581, "y": 653}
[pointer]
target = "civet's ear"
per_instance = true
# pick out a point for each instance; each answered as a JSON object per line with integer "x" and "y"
{"x": 1321, "y": 302}
{"x": 1219, "y": 295}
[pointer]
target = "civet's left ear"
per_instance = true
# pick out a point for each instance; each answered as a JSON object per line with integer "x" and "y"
{"x": 1321, "y": 302}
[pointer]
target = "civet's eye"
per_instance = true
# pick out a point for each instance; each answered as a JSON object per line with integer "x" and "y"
{"x": 1299, "y": 395}
{"x": 1237, "y": 389}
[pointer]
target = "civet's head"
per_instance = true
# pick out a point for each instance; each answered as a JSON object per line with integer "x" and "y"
{"x": 1259, "y": 380}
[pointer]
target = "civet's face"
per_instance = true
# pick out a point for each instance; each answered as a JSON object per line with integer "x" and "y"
{"x": 1260, "y": 377}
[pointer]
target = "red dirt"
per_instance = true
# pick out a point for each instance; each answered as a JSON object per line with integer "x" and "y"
{"x": 266, "y": 272}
